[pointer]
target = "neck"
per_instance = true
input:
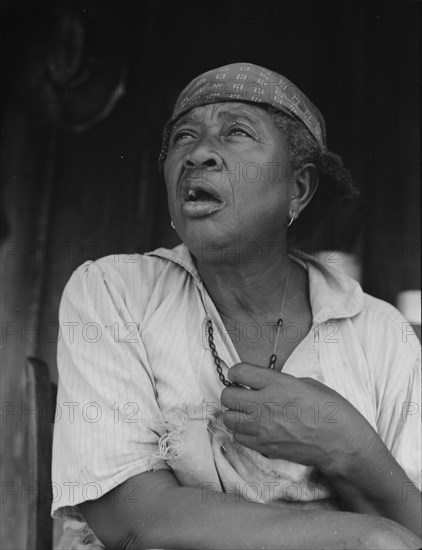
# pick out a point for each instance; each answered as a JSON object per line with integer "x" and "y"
{"x": 253, "y": 289}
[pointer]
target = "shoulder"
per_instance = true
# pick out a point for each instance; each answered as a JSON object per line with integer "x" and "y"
{"x": 384, "y": 331}
{"x": 125, "y": 271}
{"x": 128, "y": 281}
{"x": 385, "y": 312}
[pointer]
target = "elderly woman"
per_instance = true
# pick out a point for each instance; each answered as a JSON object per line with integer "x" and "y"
{"x": 231, "y": 392}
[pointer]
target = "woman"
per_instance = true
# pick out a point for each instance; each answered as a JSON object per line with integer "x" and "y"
{"x": 198, "y": 420}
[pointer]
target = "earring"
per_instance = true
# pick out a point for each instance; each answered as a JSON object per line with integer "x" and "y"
{"x": 172, "y": 224}
{"x": 292, "y": 218}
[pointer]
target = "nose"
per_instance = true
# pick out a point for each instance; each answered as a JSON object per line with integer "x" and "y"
{"x": 203, "y": 155}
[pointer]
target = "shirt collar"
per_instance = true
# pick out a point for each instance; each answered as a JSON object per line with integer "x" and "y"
{"x": 333, "y": 295}
{"x": 180, "y": 255}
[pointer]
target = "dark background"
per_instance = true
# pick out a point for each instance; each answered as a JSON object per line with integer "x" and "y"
{"x": 79, "y": 176}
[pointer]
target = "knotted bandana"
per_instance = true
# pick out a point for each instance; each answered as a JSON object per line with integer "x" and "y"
{"x": 248, "y": 83}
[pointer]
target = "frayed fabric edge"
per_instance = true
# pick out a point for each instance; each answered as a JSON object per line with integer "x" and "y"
{"x": 174, "y": 424}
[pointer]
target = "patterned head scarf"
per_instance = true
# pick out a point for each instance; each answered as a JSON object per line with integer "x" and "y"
{"x": 251, "y": 84}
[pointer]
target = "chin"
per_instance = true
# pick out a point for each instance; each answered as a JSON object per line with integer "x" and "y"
{"x": 213, "y": 250}
{"x": 202, "y": 245}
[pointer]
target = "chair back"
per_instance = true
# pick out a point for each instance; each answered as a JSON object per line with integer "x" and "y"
{"x": 41, "y": 398}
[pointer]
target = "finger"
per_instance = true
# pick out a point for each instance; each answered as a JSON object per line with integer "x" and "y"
{"x": 310, "y": 381}
{"x": 254, "y": 376}
{"x": 237, "y": 399}
{"x": 239, "y": 422}
{"x": 247, "y": 440}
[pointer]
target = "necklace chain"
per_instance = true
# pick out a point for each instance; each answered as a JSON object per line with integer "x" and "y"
{"x": 273, "y": 357}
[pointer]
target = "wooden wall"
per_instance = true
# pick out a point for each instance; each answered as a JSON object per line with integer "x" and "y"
{"x": 71, "y": 196}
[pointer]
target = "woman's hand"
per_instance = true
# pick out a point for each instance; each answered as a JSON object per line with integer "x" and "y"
{"x": 304, "y": 421}
{"x": 297, "y": 419}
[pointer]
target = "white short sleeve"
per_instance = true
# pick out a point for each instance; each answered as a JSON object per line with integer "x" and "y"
{"x": 393, "y": 350}
{"x": 106, "y": 402}
{"x": 399, "y": 421}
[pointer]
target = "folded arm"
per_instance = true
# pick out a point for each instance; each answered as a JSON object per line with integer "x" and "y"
{"x": 374, "y": 483}
{"x": 366, "y": 477}
{"x": 169, "y": 516}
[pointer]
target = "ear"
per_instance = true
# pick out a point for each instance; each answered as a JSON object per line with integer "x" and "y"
{"x": 304, "y": 187}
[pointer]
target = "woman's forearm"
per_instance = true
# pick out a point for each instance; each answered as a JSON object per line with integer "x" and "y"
{"x": 165, "y": 515}
{"x": 374, "y": 483}
{"x": 218, "y": 521}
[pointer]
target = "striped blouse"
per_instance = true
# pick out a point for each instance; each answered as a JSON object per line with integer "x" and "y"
{"x": 133, "y": 346}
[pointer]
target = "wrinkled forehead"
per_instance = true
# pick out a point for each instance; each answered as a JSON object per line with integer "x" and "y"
{"x": 222, "y": 112}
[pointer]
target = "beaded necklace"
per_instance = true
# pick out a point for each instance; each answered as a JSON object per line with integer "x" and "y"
{"x": 273, "y": 357}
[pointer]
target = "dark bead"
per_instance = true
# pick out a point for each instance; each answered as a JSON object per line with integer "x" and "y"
{"x": 217, "y": 360}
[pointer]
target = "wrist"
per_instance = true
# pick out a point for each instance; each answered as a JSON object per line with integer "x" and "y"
{"x": 361, "y": 454}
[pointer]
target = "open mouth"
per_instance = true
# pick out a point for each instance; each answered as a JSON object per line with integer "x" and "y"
{"x": 200, "y": 198}
{"x": 200, "y": 195}
{"x": 199, "y": 190}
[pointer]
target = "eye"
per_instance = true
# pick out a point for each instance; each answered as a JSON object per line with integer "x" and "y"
{"x": 182, "y": 135}
{"x": 239, "y": 131}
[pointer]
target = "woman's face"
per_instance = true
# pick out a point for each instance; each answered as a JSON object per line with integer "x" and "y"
{"x": 227, "y": 177}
